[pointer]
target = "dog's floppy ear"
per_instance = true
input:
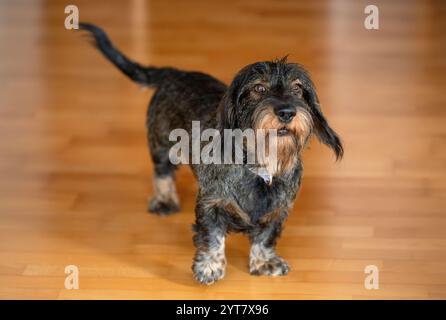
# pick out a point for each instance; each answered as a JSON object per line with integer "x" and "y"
{"x": 322, "y": 130}
{"x": 228, "y": 119}
{"x": 227, "y": 112}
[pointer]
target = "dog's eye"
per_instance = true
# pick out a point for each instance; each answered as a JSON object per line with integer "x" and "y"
{"x": 297, "y": 89}
{"x": 260, "y": 88}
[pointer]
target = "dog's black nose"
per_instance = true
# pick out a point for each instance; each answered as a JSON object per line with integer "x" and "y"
{"x": 286, "y": 114}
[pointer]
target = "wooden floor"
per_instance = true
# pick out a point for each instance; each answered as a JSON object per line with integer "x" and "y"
{"x": 75, "y": 172}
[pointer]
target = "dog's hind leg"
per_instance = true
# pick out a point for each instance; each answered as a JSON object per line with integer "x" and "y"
{"x": 165, "y": 201}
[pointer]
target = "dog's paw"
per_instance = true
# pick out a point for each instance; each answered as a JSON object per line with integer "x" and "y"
{"x": 162, "y": 207}
{"x": 210, "y": 271}
{"x": 275, "y": 266}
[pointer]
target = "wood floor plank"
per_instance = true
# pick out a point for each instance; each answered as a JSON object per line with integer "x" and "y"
{"x": 75, "y": 173}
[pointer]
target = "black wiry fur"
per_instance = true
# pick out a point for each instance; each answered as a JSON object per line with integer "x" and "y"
{"x": 230, "y": 197}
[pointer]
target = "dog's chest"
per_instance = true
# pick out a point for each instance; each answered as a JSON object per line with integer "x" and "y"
{"x": 257, "y": 198}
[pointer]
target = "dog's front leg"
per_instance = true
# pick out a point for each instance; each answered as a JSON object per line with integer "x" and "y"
{"x": 209, "y": 263}
{"x": 263, "y": 259}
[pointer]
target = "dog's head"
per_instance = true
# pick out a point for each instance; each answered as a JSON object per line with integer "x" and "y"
{"x": 281, "y": 96}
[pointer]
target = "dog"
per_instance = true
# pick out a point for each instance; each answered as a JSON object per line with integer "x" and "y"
{"x": 274, "y": 95}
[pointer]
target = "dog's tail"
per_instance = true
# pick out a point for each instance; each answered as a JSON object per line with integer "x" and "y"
{"x": 148, "y": 76}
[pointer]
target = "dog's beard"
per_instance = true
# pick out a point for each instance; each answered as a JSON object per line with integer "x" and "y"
{"x": 290, "y": 140}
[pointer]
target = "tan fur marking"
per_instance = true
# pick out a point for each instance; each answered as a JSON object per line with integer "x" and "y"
{"x": 165, "y": 189}
{"x": 271, "y": 216}
{"x": 289, "y": 146}
{"x": 230, "y": 206}
{"x": 301, "y": 124}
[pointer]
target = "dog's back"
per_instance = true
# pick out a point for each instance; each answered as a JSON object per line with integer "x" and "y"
{"x": 180, "y": 96}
